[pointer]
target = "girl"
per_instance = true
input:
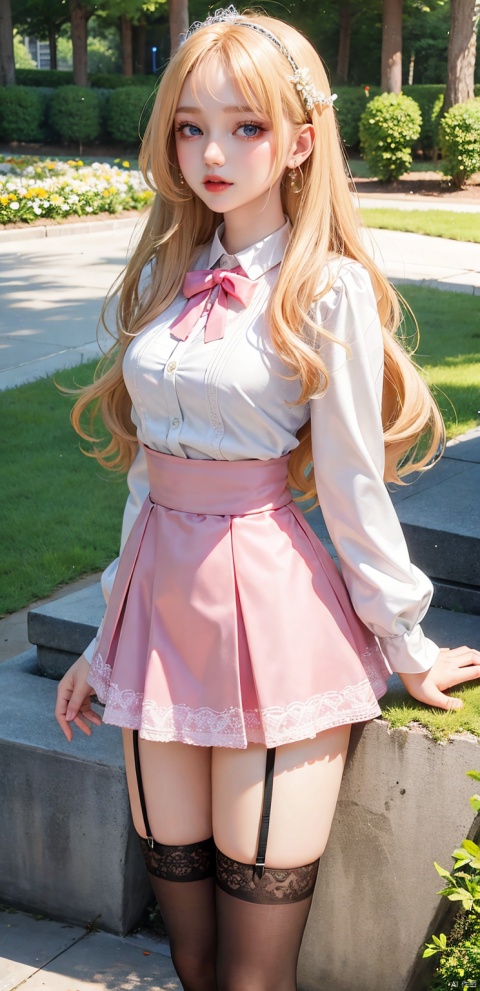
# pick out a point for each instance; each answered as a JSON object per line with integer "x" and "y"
{"x": 256, "y": 338}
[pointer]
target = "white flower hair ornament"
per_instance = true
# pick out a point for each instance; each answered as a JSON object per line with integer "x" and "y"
{"x": 301, "y": 77}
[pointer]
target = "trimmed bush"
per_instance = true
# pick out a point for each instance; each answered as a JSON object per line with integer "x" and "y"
{"x": 75, "y": 113}
{"x": 388, "y": 127}
{"x": 459, "y": 135}
{"x": 349, "y": 105}
{"x": 430, "y": 100}
{"x": 44, "y": 77}
{"x": 128, "y": 113}
{"x": 22, "y": 112}
{"x": 108, "y": 80}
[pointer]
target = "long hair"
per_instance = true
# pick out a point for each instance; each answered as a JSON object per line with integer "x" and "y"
{"x": 323, "y": 221}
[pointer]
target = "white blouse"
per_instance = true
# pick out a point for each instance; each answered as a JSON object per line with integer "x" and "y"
{"x": 228, "y": 399}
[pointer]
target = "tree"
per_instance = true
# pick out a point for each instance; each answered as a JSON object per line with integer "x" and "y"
{"x": 345, "y": 23}
{"x": 7, "y": 60}
{"x": 392, "y": 46}
{"x": 41, "y": 19}
{"x": 178, "y": 22}
{"x": 79, "y": 14}
{"x": 462, "y": 47}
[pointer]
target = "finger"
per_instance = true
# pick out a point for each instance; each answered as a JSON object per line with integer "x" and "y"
{"x": 80, "y": 724}
{"x": 76, "y": 701}
{"x": 441, "y": 700}
{"x": 63, "y": 698}
{"x": 92, "y": 716}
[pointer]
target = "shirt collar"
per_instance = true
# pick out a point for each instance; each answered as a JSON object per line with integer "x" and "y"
{"x": 257, "y": 259}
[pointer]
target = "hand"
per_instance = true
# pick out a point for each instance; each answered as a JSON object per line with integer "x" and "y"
{"x": 452, "y": 667}
{"x": 74, "y": 700}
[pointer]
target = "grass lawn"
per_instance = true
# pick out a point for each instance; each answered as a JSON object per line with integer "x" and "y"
{"x": 60, "y": 512}
{"x": 449, "y": 351}
{"x": 437, "y": 223}
{"x": 400, "y": 710}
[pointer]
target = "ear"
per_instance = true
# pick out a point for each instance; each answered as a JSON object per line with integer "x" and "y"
{"x": 302, "y": 147}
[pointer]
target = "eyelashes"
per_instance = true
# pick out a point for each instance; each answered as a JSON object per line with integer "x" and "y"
{"x": 259, "y": 129}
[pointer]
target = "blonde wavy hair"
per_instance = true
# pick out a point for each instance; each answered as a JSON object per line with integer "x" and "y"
{"x": 323, "y": 221}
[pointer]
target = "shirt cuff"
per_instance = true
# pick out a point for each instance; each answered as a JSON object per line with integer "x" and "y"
{"x": 410, "y": 653}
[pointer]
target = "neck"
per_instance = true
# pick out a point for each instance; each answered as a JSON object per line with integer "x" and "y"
{"x": 252, "y": 222}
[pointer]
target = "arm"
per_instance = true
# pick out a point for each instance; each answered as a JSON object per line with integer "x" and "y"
{"x": 74, "y": 692}
{"x": 388, "y": 592}
{"x": 137, "y": 481}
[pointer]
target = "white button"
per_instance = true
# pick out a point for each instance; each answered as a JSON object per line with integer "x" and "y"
{"x": 171, "y": 366}
{"x": 175, "y": 422}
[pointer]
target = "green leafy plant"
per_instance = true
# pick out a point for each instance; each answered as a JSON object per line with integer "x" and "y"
{"x": 22, "y": 112}
{"x": 459, "y": 135}
{"x": 388, "y": 127}
{"x": 460, "y": 953}
{"x": 128, "y": 113}
{"x": 349, "y": 105}
{"x": 75, "y": 114}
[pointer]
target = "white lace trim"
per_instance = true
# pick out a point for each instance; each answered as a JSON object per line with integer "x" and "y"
{"x": 233, "y": 727}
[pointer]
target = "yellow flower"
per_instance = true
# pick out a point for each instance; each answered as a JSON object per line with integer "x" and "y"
{"x": 106, "y": 192}
{"x": 12, "y": 196}
{"x": 55, "y": 198}
{"x": 71, "y": 162}
{"x": 3, "y": 200}
{"x": 50, "y": 165}
{"x": 36, "y": 191}
{"x": 126, "y": 165}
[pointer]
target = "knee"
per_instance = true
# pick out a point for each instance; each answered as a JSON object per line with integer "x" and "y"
{"x": 195, "y": 966}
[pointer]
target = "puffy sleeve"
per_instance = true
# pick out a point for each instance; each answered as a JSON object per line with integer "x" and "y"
{"x": 137, "y": 480}
{"x": 389, "y": 594}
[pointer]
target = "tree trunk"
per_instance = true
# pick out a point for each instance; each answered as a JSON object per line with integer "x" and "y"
{"x": 79, "y": 15}
{"x": 392, "y": 46}
{"x": 127, "y": 51}
{"x": 462, "y": 48}
{"x": 52, "y": 44}
{"x": 345, "y": 15}
{"x": 178, "y": 22}
{"x": 139, "y": 38}
{"x": 7, "y": 61}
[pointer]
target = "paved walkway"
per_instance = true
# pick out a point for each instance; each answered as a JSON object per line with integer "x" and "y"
{"x": 52, "y": 288}
{"x": 38, "y": 954}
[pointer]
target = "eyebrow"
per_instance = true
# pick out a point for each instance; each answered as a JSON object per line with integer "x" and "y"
{"x": 226, "y": 110}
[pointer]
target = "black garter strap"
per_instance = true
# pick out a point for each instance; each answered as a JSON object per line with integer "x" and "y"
{"x": 188, "y": 862}
{"x": 160, "y": 850}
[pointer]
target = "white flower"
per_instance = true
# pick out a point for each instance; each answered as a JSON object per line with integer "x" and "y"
{"x": 65, "y": 206}
{"x": 14, "y": 205}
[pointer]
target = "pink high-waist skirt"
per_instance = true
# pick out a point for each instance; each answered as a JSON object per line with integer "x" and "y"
{"x": 228, "y": 621}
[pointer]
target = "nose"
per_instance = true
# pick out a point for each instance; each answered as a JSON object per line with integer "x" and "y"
{"x": 213, "y": 154}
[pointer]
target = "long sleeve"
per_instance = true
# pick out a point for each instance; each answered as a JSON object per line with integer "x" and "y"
{"x": 137, "y": 480}
{"x": 389, "y": 594}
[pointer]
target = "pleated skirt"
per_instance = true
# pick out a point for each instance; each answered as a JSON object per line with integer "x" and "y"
{"x": 228, "y": 622}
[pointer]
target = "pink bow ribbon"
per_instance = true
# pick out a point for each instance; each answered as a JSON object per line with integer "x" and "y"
{"x": 198, "y": 287}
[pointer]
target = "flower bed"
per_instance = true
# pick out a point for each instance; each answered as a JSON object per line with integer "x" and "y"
{"x": 33, "y": 188}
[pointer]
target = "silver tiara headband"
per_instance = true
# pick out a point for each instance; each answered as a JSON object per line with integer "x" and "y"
{"x": 301, "y": 77}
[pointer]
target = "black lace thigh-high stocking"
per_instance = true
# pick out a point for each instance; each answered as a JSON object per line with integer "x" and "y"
{"x": 183, "y": 881}
{"x": 260, "y": 924}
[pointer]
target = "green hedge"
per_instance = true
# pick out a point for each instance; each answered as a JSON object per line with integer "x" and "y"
{"x": 460, "y": 140}
{"x": 388, "y": 128}
{"x": 60, "y": 77}
{"x": 74, "y": 113}
{"x": 22, "y": 113}
{"x": 128, "y": 113}
{"x": 352, "y": 102}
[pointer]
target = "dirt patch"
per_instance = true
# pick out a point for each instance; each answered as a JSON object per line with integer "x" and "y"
{"x": 422, "y": 184}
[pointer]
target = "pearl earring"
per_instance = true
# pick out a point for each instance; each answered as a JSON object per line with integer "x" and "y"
{"x": 182, "y": 179}
{"x": 296, "y": 181}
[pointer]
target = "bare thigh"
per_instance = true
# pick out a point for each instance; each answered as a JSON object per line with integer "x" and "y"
{"x": 307, "y": 780}
{"x": 178, "y": 792}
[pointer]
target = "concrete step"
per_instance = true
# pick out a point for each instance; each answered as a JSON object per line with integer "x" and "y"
{"x": 70, "y": 623}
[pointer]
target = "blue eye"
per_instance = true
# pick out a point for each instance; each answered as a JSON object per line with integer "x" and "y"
{"x": 250, "y": 130}
{"x": 183, "y": 129}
